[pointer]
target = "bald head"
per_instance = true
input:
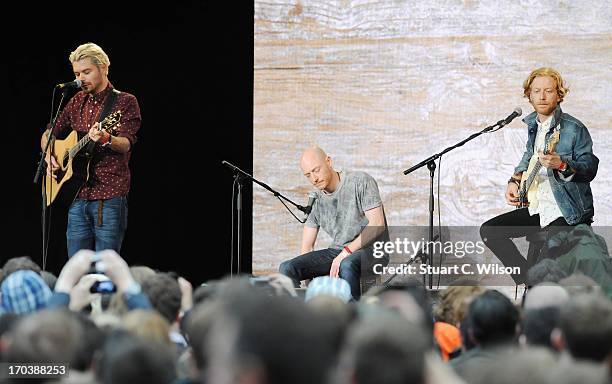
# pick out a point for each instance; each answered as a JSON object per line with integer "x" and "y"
{"x": 313, "y": 154}
{"x": 546, "y": 296}
{"x": 317, "y": 167}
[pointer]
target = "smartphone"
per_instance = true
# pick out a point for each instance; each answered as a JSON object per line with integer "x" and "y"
{"x": 104, "y": 286}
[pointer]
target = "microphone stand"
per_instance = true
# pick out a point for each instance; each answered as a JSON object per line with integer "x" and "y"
{"x": 41, "y": 162}
{"x": 431, "y": 165}
{"x": 419, "y": 256}
{"x": 239, "y": 177}
{"x": 39, "y": 170}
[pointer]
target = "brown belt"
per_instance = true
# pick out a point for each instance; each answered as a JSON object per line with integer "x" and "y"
{"x": 100, "y": 206}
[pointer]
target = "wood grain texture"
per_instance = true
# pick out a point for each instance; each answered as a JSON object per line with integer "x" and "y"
{"x": 382, "y": 85}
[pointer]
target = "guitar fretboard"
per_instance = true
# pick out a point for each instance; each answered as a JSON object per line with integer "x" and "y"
{"x": 80, "y": 145}
{"x": 532, "y": 175}
{"x": 106, "y": 124}
{"x": 548, "y": 147}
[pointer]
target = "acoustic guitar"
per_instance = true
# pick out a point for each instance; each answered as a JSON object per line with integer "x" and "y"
{"x": 74, "y": 155}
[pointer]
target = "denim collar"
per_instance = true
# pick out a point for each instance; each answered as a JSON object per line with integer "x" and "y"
{"x": 531, "y": 122}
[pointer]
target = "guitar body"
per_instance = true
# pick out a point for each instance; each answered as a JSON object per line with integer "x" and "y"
{"x": 73, "y": 172}
{"x": 74, "y": 154}
{"x": 528, "y": 188}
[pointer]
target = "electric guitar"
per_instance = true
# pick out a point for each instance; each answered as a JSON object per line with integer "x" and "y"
{"x": 528, "y": 190}
{"x": 73, "y": 154}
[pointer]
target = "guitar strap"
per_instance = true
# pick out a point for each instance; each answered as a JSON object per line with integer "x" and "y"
{"x": 106, "y": 109}
{"x": 108, "y": 105}
{"x": 553, "y": 128}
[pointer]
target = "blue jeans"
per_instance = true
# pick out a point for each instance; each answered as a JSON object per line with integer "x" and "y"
{"x": 95, "y": 229}
{"x": 318, "y": 263}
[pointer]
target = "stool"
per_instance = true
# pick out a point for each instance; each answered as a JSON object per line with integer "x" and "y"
{"x": 536, "y": 242}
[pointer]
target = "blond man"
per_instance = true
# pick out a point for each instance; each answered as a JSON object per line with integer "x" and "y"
{"x": 97, "y": 217}
{"x": 563, "y": 193}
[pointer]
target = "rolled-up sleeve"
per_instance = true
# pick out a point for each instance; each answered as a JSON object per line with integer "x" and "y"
{"x": 130, "y": 119}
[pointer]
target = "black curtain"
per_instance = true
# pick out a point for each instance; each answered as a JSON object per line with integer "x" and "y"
{"x": 190, "y": 65}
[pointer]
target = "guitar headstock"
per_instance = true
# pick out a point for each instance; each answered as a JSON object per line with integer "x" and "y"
{"x": 111, "y": 122}
{"x": 552, "y": 142}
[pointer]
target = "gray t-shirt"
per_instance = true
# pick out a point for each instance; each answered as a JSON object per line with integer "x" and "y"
{"x": 341, "y": 214}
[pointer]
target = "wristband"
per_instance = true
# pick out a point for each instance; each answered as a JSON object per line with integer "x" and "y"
{"x": 110, "y": 140}
{"x": 347, "y": 249}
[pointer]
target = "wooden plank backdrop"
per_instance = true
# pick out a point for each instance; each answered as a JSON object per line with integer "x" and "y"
{"x": 381, "y": 85}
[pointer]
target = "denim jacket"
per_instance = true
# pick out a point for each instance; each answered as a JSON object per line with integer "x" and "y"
{"x": 574, "y": 197}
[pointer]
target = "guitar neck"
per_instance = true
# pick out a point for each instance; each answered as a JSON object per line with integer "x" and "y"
{"x": 532, "y": 175}
{"x": 105, "y": 125}
{"x": 80, "y": 145}
{"x": 548, "y": 148}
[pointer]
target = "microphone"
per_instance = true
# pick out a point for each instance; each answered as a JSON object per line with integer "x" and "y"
{"x": 71, "y": 84}
{"x": 312, "y": 196}
{"x": 517, "y": 112}
{"x": 232, "y": 167}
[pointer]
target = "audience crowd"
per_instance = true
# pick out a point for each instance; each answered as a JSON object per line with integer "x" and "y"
{"x": 109, "y": 323}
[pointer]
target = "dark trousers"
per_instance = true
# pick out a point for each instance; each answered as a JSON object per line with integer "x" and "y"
{"x": 498, "y": 232}
{"x": 318, "y": 263}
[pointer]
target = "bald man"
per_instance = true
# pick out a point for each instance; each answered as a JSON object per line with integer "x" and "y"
{"x": 347, "y": 204}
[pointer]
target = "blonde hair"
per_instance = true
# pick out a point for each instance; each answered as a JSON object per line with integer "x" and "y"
{"x": 147, "y": 324}
{"x": 562, "y": 89}
{"x": 94, "y": 52}
{"x": 454, "y": 302}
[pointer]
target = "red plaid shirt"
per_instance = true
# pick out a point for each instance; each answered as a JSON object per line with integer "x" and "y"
{"x": 111, "y": 174}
